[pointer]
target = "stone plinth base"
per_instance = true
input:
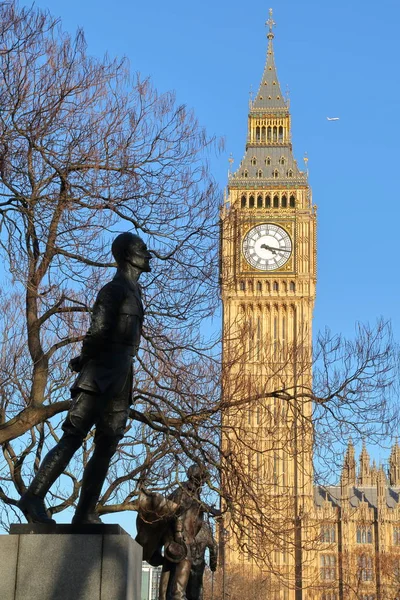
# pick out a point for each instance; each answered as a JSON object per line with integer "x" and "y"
{"x": 69, "y": 562}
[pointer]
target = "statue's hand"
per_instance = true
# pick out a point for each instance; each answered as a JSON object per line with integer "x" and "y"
{"x": 75, "y": 364}
{"x": 179, "y": 537}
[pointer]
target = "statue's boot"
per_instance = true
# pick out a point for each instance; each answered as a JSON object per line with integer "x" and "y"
{"x": 32, "y": 502}
{"x": 34, "y": 509}
{"x": 180, "y": 581}
{"x": 92, "y": 482}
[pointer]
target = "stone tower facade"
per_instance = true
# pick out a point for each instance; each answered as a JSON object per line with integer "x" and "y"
{"x": 268, "y": 279}
{"x": 288, "y": 539}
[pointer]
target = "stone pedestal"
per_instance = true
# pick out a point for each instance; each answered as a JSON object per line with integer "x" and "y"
{"x": 69, "y": 562}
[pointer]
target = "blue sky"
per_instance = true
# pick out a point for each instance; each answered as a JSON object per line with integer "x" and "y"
{"x": 338, "y": 59}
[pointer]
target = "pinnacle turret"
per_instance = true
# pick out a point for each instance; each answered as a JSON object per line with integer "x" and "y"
{"x": 365, "y": 468}
{"x": 349, "y": 466}
{"x": 394, "y": 466}
{"x": 381, "y": 485}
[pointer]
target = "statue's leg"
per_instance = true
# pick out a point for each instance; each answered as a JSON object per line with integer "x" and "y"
{"x": 194, "y": 588}
{"x": 181, "y": 577}
{"x": 200, "y": 575}
{"x": 164, "y": 580}
{"x": 93, "y": 480}
{"x": 110, "y": 427}
{"x": 76, "y": 426}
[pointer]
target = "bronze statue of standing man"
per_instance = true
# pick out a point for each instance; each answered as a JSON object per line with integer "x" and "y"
{"x": 102, "y": 392}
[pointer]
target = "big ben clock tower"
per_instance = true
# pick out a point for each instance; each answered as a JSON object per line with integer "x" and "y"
{"x": 268, "y": 278}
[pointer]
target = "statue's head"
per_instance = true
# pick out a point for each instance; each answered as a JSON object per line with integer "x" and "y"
{"x": 128, "y": 248}
{"x": 197, "y": 473}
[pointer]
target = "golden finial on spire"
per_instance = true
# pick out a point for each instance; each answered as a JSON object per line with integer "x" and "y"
{"x": 270, "y": 24}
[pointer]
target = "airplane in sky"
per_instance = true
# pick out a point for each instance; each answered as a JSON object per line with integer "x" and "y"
{"x": 333, "y": 118}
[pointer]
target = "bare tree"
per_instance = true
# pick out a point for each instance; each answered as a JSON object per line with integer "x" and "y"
{"x": 86, "y": 151}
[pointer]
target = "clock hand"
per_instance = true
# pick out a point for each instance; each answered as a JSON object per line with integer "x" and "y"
{"x": 274, "y": 250}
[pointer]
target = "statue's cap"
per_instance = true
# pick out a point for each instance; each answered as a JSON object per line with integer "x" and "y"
{"x": 197, "y": 472}
{"x": 122, "y": 242}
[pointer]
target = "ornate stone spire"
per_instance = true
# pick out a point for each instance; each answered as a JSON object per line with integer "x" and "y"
{"x": 269, "y": 96}
{"x": 365, "y": 468}
{"x": 394, "y": 466}
{"x": 381, "y": 488}
{"x": 269, "y": 160}
{"x": 349, "y": 466}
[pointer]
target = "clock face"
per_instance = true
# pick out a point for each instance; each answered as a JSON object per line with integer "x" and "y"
{"x": 267, "y": 247}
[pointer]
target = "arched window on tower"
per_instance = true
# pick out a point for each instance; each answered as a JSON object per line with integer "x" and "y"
{"x": 275, "y": 134}
{"x": 243, "y": 201}
{"x": 254, "y": 161}
{"x": 285, "y": 460}
{"x": 251, "y": 202}
{"x": 259, "y": 174}
{"x": 292, "y": 286}
{"x": 267, "y": 286}
{"x": 259, "y": 286}
{"x": 284, "y": 201}
{"x": 276, "y": 343}
{"x": 242, "y": 286}
{"x": 268, "y": 161}
{"x": 276, "y": 468}
{"x": 257, "y": 134}
{"x": 263, "y": 133}
{"x": 275, "y": 174}
{"x": 284, "y": 332}
{"x": 282, "y": 160}
{"x": 276, "y": 202}
{"x": 245, "y": 173}
{"x": 257, "y": 356}
{"x": 259, "y": 202}
{"x": 269, "y": 137}
{"x": 276, "y": 286}
{"x": 267, "y": 201}
{"x": 292, "y": 201}
{"x": 290, "y": 173}
{"x": 281, "y": 133}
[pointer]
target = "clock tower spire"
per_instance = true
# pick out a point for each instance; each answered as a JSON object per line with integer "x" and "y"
{"x": 268, "y": 278}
